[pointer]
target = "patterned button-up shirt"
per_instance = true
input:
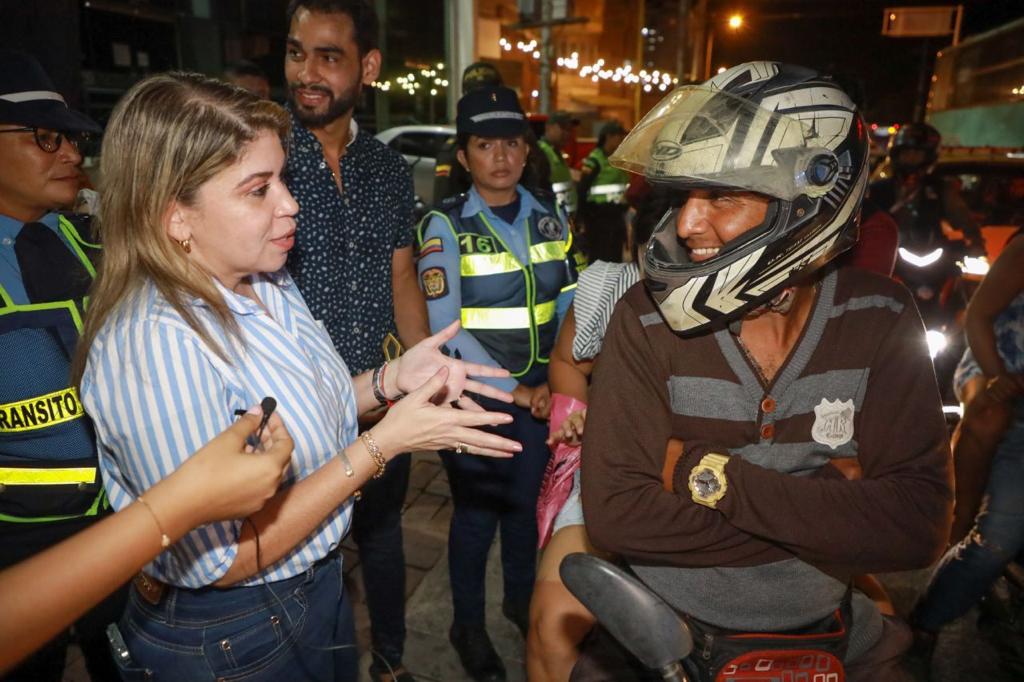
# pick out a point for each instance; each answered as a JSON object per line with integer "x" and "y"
{"x": 345, "y": 240}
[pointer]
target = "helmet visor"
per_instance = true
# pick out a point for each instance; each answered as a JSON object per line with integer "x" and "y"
{"x": 699, "y": 137}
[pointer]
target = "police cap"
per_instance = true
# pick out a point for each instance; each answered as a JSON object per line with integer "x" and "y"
{"x": 490, "y": 112}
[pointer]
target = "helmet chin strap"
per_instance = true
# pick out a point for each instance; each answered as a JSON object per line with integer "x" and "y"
{"x": 781, "y": 304}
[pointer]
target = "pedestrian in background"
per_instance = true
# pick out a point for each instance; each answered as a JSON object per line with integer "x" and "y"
{"x": 602, "y": 195}
{"x": 557, "y": 130}
{"x": 353, "y": 261}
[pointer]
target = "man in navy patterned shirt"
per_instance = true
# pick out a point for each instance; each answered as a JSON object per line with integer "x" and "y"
{"x": 353, "y": 258}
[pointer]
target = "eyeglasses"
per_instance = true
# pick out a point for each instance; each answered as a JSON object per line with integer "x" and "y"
{"x": 50, "y": 140}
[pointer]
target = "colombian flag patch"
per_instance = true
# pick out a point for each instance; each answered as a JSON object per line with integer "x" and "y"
{"x": 432, "y": 245}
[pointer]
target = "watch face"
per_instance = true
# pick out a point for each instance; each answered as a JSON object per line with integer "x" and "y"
{"x": 706, "y": 483}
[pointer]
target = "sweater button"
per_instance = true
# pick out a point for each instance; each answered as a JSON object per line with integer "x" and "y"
{"x": 767, "y": 431}
{"x": 768, "y": 405}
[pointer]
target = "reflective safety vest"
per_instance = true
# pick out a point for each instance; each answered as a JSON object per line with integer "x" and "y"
{"x": 610, "y": 183}
{"x": 35, "y": 488}
{"x": 508, "y": 305}
{"x": 561, "y": 178}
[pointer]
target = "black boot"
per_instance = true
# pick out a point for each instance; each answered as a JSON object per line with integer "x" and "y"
{"x": 477, "y": 654}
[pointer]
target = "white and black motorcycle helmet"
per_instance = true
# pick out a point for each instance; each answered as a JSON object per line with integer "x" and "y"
{"x": 782, "y": 131}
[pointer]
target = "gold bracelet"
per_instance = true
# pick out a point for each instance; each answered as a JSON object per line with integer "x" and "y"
{"x": 165, "y": 541}
{"x": 349, "y": 472}
{"x": 375, "y": 453}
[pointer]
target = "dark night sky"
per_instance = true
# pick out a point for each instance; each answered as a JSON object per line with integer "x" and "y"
{"x": 844, "y": 37}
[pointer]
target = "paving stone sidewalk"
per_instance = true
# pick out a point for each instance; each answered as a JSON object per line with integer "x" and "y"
{"x": 428, "y": 654}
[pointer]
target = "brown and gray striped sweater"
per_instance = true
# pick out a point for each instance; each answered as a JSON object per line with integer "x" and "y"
{"x": 789, "y": 533}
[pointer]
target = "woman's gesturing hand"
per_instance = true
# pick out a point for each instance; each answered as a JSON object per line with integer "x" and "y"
{"x": 422, "y": 361}
{"x": 226, "y": 480}
{"x": 425, "y": 420}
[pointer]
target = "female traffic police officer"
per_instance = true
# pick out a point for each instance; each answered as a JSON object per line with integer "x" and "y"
{"x": 498, "y": 258}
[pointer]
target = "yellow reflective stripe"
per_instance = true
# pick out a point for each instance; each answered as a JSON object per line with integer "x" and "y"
{"x": 478, "y": 264}
{"x": 75, "y": 239}
{"x": 507, "y": 318}
{"x": 609, "y": 189}
{"x": 544, "y": 312}
{"x": 496, "y": 318}
{"x": 547, "y": 251}
{"x": 41, "y": 411}
{"x": 25, "y": 476}
{"x": 568, "y": 287}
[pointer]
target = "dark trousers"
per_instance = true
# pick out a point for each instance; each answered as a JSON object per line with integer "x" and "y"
{"x": 20, "y": 541}
{"x": 486, "y": 491}
{"x": 377, "y": 529}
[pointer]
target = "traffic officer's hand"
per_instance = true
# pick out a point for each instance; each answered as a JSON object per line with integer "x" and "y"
{"x": 421, "y": 362}
{"x": 540, "y": 402}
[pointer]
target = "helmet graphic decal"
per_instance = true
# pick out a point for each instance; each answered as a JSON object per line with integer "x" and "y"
{"x": 779, "y": 131}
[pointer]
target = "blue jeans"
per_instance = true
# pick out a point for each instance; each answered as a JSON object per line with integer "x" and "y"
{"x": 244, "y": 633}
{"x": 485, "y": 491}
{"x": 967, "y": 570}
{"x": 377, "y": 529}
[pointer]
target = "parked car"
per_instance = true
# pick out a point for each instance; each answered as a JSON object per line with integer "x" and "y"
{"x": 419, "y": 144}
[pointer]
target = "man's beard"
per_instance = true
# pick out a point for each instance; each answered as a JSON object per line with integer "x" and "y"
{"x": 336, "y": 106}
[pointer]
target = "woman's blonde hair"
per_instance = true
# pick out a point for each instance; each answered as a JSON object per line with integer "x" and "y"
{"x": 167, "y": 136}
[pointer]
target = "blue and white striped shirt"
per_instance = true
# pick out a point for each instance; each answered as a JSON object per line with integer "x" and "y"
{"x": 158, "y": 393}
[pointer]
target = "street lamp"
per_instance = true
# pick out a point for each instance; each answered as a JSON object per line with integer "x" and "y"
{"x": 735, "y": 23}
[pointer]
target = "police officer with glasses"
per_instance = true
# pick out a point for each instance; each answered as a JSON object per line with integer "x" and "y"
{"x": 49, "y": 485}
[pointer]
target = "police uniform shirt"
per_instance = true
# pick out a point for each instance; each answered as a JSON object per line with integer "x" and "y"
{"x": 36, "y": 363}
{"x": 439, "y": 270}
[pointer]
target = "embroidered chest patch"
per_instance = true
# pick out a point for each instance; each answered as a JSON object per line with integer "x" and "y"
{"x": 833, "y": 422}
{"x": 550, "y": 228}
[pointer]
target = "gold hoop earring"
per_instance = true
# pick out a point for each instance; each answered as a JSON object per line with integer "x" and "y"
{"x": 186, "y": 245}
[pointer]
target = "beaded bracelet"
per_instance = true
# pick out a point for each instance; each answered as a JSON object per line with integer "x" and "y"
{"x": 375, "y": 453}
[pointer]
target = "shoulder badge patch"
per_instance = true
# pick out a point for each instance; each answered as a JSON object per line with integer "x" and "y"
{"x": 833, "y": 423}
{"x": 432, "y": 245}
{"x": 435, "y": 283}
{"x": 550, "y": 228}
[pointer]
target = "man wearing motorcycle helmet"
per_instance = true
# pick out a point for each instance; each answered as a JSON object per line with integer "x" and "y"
{"x": 917, "y": 199}
{"x": 746, "y": 365}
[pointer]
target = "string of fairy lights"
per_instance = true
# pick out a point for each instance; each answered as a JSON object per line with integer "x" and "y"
{"x": 428, "y": 79}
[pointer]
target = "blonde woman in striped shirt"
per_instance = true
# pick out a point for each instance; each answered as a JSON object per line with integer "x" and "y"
{"x": 193, "y": 317}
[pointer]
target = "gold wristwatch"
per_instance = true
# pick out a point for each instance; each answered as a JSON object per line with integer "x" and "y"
{"x": 707, "y": 482}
